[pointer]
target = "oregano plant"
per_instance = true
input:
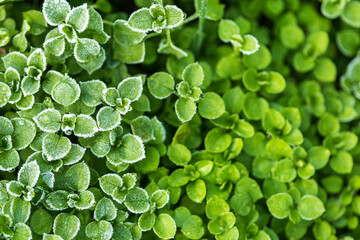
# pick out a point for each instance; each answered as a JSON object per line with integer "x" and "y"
{"x": 196, "y": 119}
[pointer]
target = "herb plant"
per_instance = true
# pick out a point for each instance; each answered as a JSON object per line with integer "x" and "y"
{"x": 193, "y": 119}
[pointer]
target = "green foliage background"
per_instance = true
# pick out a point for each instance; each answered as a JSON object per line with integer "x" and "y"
{"x": 188, "y": 119}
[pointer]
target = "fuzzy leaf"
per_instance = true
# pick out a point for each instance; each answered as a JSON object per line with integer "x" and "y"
{"x": 48, "y": 120}
{"x": 185, "y": 109}
{"x": 79, "y": 18}
{"x": 140, "y": 20}
{"x": 55, "y": 11}
{"x": 101, "y": 230}
{"x": 130, "y": 88}
{"x": 29, "y": 174}
{"x": 66, "y": 92}
{"x": 66, "y": 226}
{"x": 131, "y": 150}
{"x": 86, "y": 49}
{"x": 77, "y": 177}
{"x": 137, "y": 200}
{"x": 108, "y": 118}
{"x": 105, "y": 210}
{"x": 55, "y": 146}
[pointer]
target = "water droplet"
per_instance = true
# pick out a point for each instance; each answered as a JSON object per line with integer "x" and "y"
{"x": 21, "y": 122}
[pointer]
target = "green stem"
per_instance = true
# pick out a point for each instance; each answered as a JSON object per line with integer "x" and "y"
{"x": 200, "y": 34}
{"x": 168, "y": 36}
{"x": 151, "y": 35}
{"x": 108, "y": 22}
{"x": 191, "y": 18}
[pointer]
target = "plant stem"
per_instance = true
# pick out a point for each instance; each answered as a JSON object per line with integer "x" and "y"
{"x": 108, "y": 22}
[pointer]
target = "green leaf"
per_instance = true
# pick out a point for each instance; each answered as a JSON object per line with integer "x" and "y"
{"x": 174, "y": 16}
{"x": 52, "y": 237}
{"x": 37, "y": 59}
{"x": 146, "y": 221}
{"x": 217, "y": 140}
{"x": 310, "y": 207}
{"x": 130, "y": 88}
{"x": 227, "y": 29}
{"x": 211, "y": 106}
{"x": 79, "y": 18}
{"x": 249, "y": 186}
{"x": 140, "y": 21}
{"x": 131, "y": 150}
{"x": 20, "y": 210}
{"x": 66, "y": 92}
{"x": 77, "y": 177}
{"x": 179, "y": 154}
{"x": 15, "y": 60}
{"x": 137, "y": 200}
{"x": 57, "y": 200}
{"x": 342, "y": 162}
{"x": 9, "y": 160}
{"x": 241, "y": 203}
{"x": 349, "y": 14}
{"x": 222, "y": 223}
{"x": 142, "y": 127}
{"x": 5, "y": 94}
{"x": 101, "y": 230}
{"x": 86, "y": 49}
{"x": 160, "y": 198}
{"x": 193, "y": 74}
{"x": 55, "y": 46}
{"x": 284, "y": 171}
{"x": 110, "y": 95}
{"x": 22, "y": 232}
{"x": 185, "y": 109}
{"x": 110, "y": 182}
{"x": 161, "y": 85}
{"x": 48, "y": 120}
{"x": 66, "y": 226}
{"x": 24, "y": 133}
{"x": 86, "y": 201}
{"x": 215, "y": 207}
{"x": 15, "y": 188}
{"x": 164, "y": 226}
{"x": 19, "y": 41}
{"x": 95, "y": 63}
{"x": 29, "y": 86}
{"x": 193, "y": 227}
{"x": 280, "y": 205}
{"x": 92, "y": 92}
{"x": 196, "y": 190}
{"x": 41, "y": 221}
{"x": 55, "y": 11}
{"x": 108, "y": 118}
{"x": 36, "y": 21}
{"x": 105, "y": 210}
{"x": 131, "y": 54}
{"x": 249, "y": 45}
{"x": 85, "y": 126}
{"x": 55, "y": 146}
{"x": 75, "y": 155}
{"x": 29, "y": 174}
{"x": 318, "y": 156}
{"x": 124, "y": 35}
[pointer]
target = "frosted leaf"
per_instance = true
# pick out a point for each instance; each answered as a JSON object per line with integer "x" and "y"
{"x": 55, "y": 146}
{"x": 174, "y": 16}
{"x": 29, "y": 174}
{"x": 86, "y": 49}
{"x": 48, "y": 120}
{"x": 79, "y": 18}
{"x": 55, "y": 11}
